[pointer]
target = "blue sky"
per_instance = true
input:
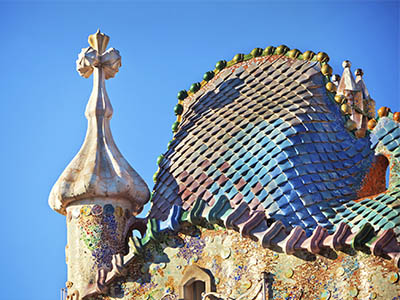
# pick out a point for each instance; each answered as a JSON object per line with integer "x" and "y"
{"x": 165, "y": 47}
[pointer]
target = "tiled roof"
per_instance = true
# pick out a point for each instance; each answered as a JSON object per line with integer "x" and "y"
{"x": 267, "y": 133}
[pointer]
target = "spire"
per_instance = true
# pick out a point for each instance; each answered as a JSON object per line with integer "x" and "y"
{"x": 360, "y": 83}
{"x": 353, "y": 95}
{"x": 98, "y": 170}
{"x": 347, "y": 81}
{"x": 369, "y": 103}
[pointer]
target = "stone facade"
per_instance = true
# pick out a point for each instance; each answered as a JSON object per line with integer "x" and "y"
{"x": 235, "y": 266}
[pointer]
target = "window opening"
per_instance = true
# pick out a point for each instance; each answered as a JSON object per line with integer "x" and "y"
{"x": 194, "y": 283}
{"x": 196, "y": 289}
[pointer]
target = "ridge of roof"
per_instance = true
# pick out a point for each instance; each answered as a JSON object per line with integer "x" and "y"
{"x": 282, "y": 51}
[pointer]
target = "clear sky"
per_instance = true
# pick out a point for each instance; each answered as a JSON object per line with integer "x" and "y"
{"x": 165, "y": 47}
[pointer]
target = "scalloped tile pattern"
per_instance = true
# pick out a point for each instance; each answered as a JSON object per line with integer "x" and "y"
{"x": 265, "y": 133}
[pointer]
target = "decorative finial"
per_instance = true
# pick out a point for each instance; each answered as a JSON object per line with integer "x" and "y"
{"x": 99, "y": 41}
{"x": 346, "y": 81}
{"x": 359, "y": 72}
{"x": 99, "y": 170}
{"x": 97, "y": 56}
{"x": 346, "y": 64}
{"x": 370, "y": 108}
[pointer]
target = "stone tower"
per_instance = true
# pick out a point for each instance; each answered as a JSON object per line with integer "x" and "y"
{"x": 99, "y": 192}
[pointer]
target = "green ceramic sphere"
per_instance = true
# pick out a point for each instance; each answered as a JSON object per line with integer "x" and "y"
{"x": 155, "y": 176}
{"x": 269, "y": 50}
{"x": 195, "y": 87}
{"x": 294, "y": 53}
{"x": 220, "y": 65}
{"x": 159, "y": 159}
{"x": 178, "y": 109}
{"x": 175, "y": 126}
{"x": 322, "y": 57}
{"x": 256, "y": 52}
{"x": 339, "y": 99}
{"x": 182, "y": 95}
{"x": 282, "y": 49}
{"x": 238, "y": 57}
{"x": 308, "y": 55}
{"x": 326, "y": 70}
{"x": 353, "y": 292}
{"x": 208, "y": 76}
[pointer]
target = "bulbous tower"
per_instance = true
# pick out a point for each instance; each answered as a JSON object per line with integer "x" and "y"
{"x": 99, "y": 192}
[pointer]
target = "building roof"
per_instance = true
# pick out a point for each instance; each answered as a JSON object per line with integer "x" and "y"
{"x": 267, "y": 132}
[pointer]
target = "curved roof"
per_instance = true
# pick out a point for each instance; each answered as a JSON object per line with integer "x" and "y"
{"x": 267, "y": 132}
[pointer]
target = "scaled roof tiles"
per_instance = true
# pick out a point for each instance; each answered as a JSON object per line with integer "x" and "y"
{"x": 266, "y": 132}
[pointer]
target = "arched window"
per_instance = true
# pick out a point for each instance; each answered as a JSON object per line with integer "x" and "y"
{"x": 195, "y": 281}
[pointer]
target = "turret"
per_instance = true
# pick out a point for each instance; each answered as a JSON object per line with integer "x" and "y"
{"x": 369, "y": 103}
{"x": 99, "y": 192}
{"x": 356, "y": 94}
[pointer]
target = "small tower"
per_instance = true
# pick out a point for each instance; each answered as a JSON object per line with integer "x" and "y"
{"x": 369, "y": 103}
{"x": 356, "y": 95}
{"x": 99, "y": 191}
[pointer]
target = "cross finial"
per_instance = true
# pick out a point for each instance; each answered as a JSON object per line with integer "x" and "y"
{"x": 99, "y": 41}
{"x": 97, "y": 56}
{"x": 99, "y": 171}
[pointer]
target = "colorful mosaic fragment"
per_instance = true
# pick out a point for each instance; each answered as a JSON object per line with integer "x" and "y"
{"x": 101, "y": 233}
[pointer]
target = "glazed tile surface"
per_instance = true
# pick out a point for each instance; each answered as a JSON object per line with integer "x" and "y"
{"x": 265, "y": 132}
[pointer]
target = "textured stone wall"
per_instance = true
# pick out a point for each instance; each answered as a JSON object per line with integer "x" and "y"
{"x": 95, "y": 233}
{"x": 236, "y": 265}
